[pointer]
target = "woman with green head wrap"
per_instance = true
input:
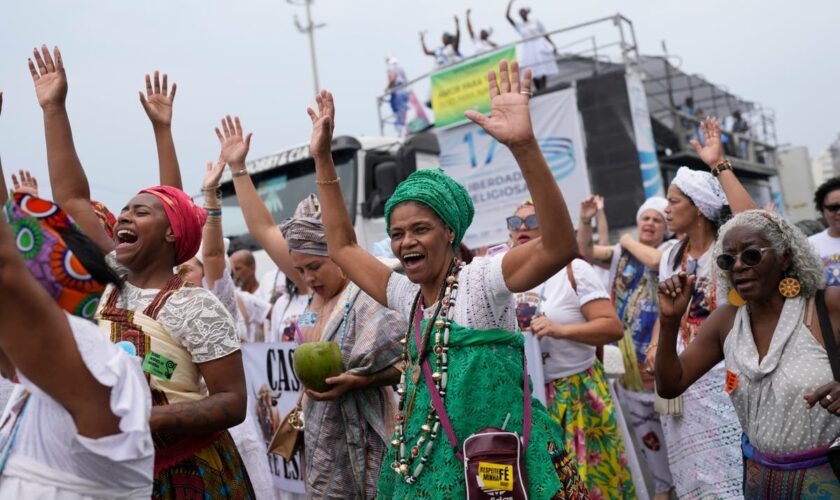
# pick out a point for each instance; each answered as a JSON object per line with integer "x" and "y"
{"x": 465, "y": 314}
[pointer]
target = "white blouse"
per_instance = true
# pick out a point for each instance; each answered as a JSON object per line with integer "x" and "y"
{"x": 49, "y": 459}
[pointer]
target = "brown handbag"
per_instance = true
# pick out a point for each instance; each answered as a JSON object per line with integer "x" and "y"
{"x": 288, "y": 438}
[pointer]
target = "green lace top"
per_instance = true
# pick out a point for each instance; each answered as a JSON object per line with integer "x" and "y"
{"x": 485, "y": 385}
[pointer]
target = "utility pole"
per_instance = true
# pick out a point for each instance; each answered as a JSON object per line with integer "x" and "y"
{"x": 309, "y": 29}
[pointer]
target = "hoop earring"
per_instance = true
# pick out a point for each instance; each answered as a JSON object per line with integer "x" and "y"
{"x": 790, "y": 287}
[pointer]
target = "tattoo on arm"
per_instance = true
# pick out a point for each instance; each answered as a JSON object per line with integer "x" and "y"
{"x": 215, "y": 413}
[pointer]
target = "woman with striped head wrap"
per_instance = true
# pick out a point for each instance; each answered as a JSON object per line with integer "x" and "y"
{"x": 463, "y": 316}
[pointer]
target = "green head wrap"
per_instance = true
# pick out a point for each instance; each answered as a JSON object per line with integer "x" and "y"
{"x": 441, "y": 193}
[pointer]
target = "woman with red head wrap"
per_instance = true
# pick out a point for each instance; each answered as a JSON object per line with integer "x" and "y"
{"x": 183, "y": 335}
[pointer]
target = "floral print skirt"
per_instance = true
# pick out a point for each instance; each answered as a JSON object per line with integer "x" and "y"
{"x": 581, "y": 403}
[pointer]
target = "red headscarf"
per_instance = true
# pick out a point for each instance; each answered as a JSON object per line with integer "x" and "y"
{"x": 185, "y": 218}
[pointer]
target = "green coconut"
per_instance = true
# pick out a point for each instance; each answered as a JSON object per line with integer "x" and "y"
{"x": 315, "y": 362}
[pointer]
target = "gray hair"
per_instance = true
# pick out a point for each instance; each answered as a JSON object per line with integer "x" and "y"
{"x": 785, "y": 238}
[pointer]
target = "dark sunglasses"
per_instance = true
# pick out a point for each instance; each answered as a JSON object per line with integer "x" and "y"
{"x": 514, "y": 222}
{"x": 832, "y": 208}
{"x": 750, "y": 257}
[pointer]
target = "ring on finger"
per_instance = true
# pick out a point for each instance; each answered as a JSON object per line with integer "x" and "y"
{"x": 525, "y": 92}
{"x": 829, "y": 398}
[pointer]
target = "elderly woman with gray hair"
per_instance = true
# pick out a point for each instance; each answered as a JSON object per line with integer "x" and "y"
{"x": 775, "y": 350}
{"x": 702, "y": 434}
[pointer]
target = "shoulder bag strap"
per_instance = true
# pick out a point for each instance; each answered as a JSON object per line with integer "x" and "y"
{"x": 828, "y": 335}
{"x": 440, "y": 408}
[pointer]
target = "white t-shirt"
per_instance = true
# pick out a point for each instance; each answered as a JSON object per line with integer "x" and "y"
{"x": 480, "y": 46}
{"x": 828, "y": 248}
{"x": 253, "y": 311}
{"x": 49, "y": 459}
{"x": 286, "y": 311}
{"x": 561, "y": 304}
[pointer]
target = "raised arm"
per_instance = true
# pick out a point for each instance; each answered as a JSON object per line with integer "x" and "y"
{"x": 260, "y": 224}
{"x": 37, "y": 339}
{"x": 597, "y": 255}
{"x": 70, "y": 188}
{"x": 527, "y": 266}
{"x": 712, "y": 155}
{"x": 601, "y": 221}
{"x": 423, "y": 44}
{"x": 27, "y": 183}
{"x": 158, "y": 105}
{"x": 508, "y": 16}
{"x": 648, "y": 255}
{"x": 457, "y": 41}
{"x": 675, "y": 373}
{"x": 212, "y": 237}
{"x": 469, "y": 25}
{"x": 363, "y": 269}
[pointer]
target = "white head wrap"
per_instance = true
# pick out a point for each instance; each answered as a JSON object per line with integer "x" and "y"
{"x": 657, "y": 203}
{"x": 703, "y": 189}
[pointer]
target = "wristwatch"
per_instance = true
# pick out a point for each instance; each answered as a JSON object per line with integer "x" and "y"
{"x": 721, "y": 166}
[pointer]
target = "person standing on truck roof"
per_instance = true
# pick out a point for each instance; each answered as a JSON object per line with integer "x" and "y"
{"x": 346, "y": 427}
{"x": 448, "y": 52}
{"x": 538, "y": 54}
{"x": 481, "y": 41}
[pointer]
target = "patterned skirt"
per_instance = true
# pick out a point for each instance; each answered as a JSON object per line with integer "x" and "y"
{"x": 581, "y": 403}
{"x": 214, "y": 471}
{"x": 813, "y": 483}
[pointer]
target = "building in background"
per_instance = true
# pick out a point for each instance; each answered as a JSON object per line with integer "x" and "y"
{"x": 822, "y": 167}
{"x": 797, "y": 181}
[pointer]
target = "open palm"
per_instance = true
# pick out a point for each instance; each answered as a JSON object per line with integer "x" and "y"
{"x": 234, "y": 144}
{"x": 711, "y": 152}
{"x": 158, "y": 100}
{"x": 323, "y": 124}
{"x": 49, "y": 77}
{"x": 213, "y": 174}
{"x": 510, "y": 119}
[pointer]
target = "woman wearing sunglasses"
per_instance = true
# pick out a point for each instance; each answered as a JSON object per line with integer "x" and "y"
{"x": 827, "y": 242}
{"x": 702, "y": 439}
{"x": 570, "y": 314}
{"x": 773, "y": 350}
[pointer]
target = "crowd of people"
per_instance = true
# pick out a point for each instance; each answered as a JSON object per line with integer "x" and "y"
{"x": 121, "y": 334}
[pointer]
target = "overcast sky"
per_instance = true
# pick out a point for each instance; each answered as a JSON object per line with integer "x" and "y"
{"x": 246, "y": 57}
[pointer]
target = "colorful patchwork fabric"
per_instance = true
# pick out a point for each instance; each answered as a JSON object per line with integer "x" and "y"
{"x": 37, "y": 225}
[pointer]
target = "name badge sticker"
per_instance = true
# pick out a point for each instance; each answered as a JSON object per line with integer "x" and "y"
{"x": 495, "y": 476}
{"x": 159, "y": 365}
{"x": 307, "y": 319}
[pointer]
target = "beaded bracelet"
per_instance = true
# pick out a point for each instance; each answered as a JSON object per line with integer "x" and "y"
{"x": 242, "y": 172}
{"x": 211, "y": 188}
{"x": 331, "y": 181}
{"x": 213, "y": 212}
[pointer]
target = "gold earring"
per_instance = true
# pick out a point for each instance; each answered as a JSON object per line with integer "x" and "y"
{"x": 790, "y": 287}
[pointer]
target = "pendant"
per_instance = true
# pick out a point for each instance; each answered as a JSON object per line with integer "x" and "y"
{"x": 415, "y": 373}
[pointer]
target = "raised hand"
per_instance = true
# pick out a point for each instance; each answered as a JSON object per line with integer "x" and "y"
{"x": 213, "y": 174}
{"x": 49, "y": 77}
{"x": 26, "y": 184}
{"x": 712, "y": 152}
{"x": 588, "y": 208}
{"x": 323, "y": 124}
{"x": 158, "y": 100}
{"x": 235, "y": 146}
{"x": 510, "y": 119}
{"x": 599, "y": 202}
{"x": 674, "y": 296}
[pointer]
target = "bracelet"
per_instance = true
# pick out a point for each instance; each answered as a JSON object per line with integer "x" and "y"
{"x": 211, "y": 188}
{"x": 211, "y": 212}
{"x": 721, "y": 166}
{"x": 651, "y": 346}
{"x": 331, "y": 181}
{"x": 242, "y": 172}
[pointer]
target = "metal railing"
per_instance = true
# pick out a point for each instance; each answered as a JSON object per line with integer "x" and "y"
{"x": 598, "y": 55}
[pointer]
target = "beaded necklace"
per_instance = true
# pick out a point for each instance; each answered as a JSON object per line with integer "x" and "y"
{"x": 429, "y": 430}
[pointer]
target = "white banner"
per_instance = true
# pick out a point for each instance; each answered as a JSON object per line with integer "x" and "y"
{"x": 273, "y": 390}
{"x": 494, "y": 180}
{"x": 648, "y": 162}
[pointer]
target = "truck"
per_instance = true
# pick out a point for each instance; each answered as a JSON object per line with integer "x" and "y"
{"x": 370, "y": 169}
